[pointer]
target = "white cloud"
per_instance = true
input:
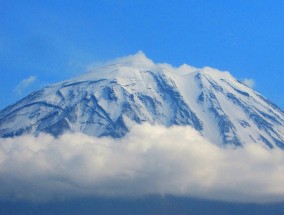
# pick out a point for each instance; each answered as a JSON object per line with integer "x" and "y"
{"x": 25, "y": 83}
{"x": 149, "y": 160}
{"x": 139, "y": 60}
{"x": 249, "y": 82}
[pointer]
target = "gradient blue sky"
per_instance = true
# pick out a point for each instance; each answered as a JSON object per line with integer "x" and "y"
{"x": 47, "y": 41}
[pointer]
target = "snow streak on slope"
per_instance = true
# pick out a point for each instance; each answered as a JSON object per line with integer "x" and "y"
{"x": 110, "y": 100}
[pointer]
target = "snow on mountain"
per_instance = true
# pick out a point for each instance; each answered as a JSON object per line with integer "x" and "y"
{"x": 130, "y": 90}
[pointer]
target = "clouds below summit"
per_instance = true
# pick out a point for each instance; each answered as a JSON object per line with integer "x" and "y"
{"x": 149, "y": 160}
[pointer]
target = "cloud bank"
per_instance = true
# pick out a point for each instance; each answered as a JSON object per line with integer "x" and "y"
{"x": 149, "y": 160}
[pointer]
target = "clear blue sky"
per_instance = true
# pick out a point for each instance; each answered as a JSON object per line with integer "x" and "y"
{"x": 55, "y": 40}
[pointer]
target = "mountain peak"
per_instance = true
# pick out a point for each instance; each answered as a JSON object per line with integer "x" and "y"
{"x": 139, "y": 62}
{"x": 133, "y": 89}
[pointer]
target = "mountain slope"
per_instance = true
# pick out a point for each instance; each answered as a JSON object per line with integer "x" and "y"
{"x": 111, "y": 99}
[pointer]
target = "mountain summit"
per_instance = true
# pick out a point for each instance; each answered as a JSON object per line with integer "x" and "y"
{"x": 111, "y": 99}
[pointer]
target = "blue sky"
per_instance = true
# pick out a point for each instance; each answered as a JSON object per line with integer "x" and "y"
{"x": 48, "y": 41}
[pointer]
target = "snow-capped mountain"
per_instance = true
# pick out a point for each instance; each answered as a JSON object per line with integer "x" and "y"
{"x": 130, "y": 90}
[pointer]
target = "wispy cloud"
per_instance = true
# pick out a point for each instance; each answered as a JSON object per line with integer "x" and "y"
{"x": 24, "y": 84}
{"x": 249, "y": 82}
{"x": 149, "y": 160}
{"x": 138, "y": 59}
